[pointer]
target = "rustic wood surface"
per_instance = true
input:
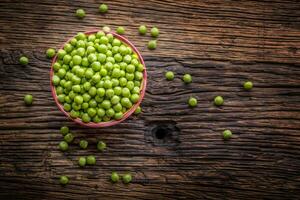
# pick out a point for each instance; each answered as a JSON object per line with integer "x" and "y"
{"x": 173, "y": 152}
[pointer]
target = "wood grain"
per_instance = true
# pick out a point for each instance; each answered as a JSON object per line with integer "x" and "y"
{"x": 221, "y": 43}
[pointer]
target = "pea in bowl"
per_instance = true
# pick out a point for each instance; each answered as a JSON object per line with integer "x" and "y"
{"x": 98, "y": 79}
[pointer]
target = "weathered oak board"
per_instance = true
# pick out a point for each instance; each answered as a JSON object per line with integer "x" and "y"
{"x": 174, "y": 152}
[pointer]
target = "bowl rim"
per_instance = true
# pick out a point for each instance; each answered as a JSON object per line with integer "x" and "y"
{"x": 128, "y": 112}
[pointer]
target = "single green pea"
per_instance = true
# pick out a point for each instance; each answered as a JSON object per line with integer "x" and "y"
{"x": 50, "y": 53}
{"x": 121, "y": 30}
{"x": 154, "y": 32}
{"x": 91, "y": 160}
{"x": 118, "y": 115}
{"x": 187, "y": 78}
{"x": 91, "y": 112}
{"x": 134, "y": 98}
{"x": 64, "y": 130}
{"x": 101, "y": 146}
{"x": 169, "y": 75}
{"x": 63, "y": 146}
{"x": 114, "y": 177}
{"x": 103, "y": 8}
{"x": 218, "y": 100}
{"x": 192, "y": 102}
{"x": 85, "y": 118}
{"x": 83, "y": 144}
{"x": 138, "y": 110}
{"x": 69, "y": 137}
{"x": 142, "y": 29}
{"x": 152, "y": 44}
{"x": 227, "y": 134}
{"x": 106, "y": 29}
{"x": 64, "y": 180}
{"x": 78, "y": 100}
{"x": 28, "y": 99}
{"x": 80, "y": 13}
{"x": 82, "y": 161}
{"x": 248, "y": 85}
{"x": 127, "y": 178}
{"x": 23, "y": 60}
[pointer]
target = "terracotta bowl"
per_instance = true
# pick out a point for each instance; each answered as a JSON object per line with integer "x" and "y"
{"x": 127, "y": 113}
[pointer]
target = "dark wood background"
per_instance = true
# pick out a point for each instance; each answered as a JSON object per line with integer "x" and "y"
{"x": 173, "y": 152}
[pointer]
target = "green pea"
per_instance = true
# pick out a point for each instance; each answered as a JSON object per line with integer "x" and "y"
{"x": 103, "y": 8}
{"x": 64, "y": 130}
{"x": 86, "y": 118}
{"x": 192, "y": 102}
{"x": 63, "y": 146}
{"x": 134, "y": 98}
{"x": 23, "y": 60}
{"x": 118, "y": 115}
{"x": 82, "y": 161}
{"x": 91, "y": 112}
{"x": 248, "y": 85}
{"x": 114, "y": 177}
{"x": 227, "y": 134}
{"x": 138, "y": 110}
{"x": 28, "y": 99}
{"x": 169, "y": 75}
{"x": 78, "y": 100}
{"x": 91, "y": 160}
{"x": 80, "y": 13}
{"x": 106, "y": 29}
{"x": 154, "y": 32}
{"x": 69, "y": 137}
{"x": 64, "y": 180}
{"x": 118, "y": 107}
{"x": 152, "y": 44}
{"x": 50, "y": 53}
{"x": 83, "y": 144}
{"x": 142, "y": 29}
{"x": 101, "y": 146}
{"x": 121, "y": 30}
{"x": 187, "y": 78}
{"x": 127, "y": 178}
{"x": 106, "y": 104}
{"x": 101, "y": 112}
{"x": 218, "y": 100}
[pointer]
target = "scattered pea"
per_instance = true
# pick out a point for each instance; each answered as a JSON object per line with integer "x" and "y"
{"x": 114, "y": 177}
{"x": 64, "y": 130}
{"x": 103, "y": 8}
{"x": 80, "y": 13}
{"x": 50, "y": 53}
{"x": 63, "y": 146}
{"x": 154, "y": 32}
{"x": 187, "y": 78}
{"x": 82, "y": 161}
{"x": 169, "y": 75}
{"x": 91, "y": 160}
{"x": 69, "y": 137}
{"x": 227, "y": 134}
{"x": 121, "y": 30}
{"x": 127, "y": 178}
{"x": 64, "y": 180}
{"x": 23, "y": 60}
{"x": 106, "y": 29}
{"x": 138, "y": 110}
{"x": 248, "y": 85}
{"x": 192, "y": 102}
{"x": 83, "y": 144}
{"x": 101, "y": 146}
{"x": 142, "y": 29}
{"x": 218, "y": 101}
{"x": 28, "y": 99}
{"x": 152, "y": 44}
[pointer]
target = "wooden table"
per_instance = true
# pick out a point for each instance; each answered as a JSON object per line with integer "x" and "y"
{"x": 173, "y": 151}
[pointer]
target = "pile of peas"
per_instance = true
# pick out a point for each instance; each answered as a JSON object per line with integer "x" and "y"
{"x": 97, "y": 77}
